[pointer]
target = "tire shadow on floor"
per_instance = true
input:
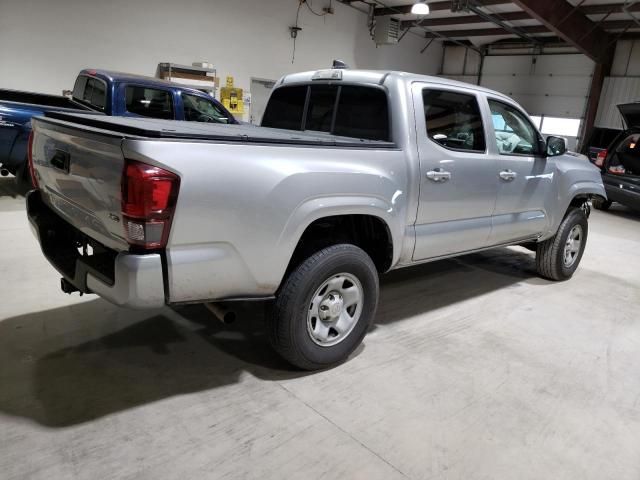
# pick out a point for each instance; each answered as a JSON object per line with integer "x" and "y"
{"x": 77, "y": 363}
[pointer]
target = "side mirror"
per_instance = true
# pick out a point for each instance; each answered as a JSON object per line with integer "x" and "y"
{"x": 556, "y": 146}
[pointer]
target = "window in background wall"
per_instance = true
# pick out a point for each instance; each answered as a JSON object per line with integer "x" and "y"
{"x": 565, "y": 127}
{"x": 537, "y": 121}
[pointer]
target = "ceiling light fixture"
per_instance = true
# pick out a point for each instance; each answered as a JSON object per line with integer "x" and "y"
{"x": 420, "y": 8}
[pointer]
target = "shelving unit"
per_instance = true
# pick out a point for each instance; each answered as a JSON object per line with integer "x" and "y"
{"x": 187, "y": 75}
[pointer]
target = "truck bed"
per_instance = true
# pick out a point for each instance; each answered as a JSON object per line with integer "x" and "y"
{"x": 39, "y": 99}
{"x": 171, "y": 129}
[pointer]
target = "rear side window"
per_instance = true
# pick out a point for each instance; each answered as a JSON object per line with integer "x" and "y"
{"x": 285, "y": 108}
{"x": 90, "y": 91}
{"x": 453, "y": 120}
{"x": 149, "y": 102}
{"x": 345, "y": 110}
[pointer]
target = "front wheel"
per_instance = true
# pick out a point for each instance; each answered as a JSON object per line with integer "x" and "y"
{"x": 558, "y": 257}
{"x": 325, "y": 307}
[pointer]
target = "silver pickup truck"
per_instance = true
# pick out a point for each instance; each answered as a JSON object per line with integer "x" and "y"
{"x": 352, "y": 174}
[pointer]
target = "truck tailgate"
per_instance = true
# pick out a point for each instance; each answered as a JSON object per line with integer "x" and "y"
{"x": 79, "y": 172}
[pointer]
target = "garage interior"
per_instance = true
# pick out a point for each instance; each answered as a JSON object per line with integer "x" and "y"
{"x": 474, "y": 368}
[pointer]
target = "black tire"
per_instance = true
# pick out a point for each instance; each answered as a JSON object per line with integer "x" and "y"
{"x": 601, "y": 203}
{"x": 550, "y": 255}
{"x": 287, "y": 323}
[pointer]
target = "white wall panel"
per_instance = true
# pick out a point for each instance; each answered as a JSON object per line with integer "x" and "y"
{"x": 616, "y": 90}
{"x": 242, "y": 38}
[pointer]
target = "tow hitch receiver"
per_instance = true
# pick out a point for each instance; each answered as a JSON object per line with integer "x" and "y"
{"x": 67, "y": 287}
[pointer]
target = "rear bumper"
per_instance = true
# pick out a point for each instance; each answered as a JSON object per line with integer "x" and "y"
{"x": 122, "y": 278}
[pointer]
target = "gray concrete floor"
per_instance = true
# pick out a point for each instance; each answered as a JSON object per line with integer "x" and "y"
{"x": 475, "y": 369}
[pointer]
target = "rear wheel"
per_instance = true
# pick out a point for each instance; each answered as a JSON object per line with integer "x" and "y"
{"x": 325, "y": 307}
{"x": 558, "y": 257}
{"x": 601, "y": 203}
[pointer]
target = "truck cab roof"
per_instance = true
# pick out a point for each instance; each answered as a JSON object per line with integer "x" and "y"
{"x": 378, "y": 77}
{"x": 112, "y": 76}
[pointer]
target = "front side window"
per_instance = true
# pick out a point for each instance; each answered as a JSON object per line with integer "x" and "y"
{"x": 453, "y": 120}
{"x": 345, "y": 110}
{"x": 198, "y": 109}
{"x": 149, "y": 102}
{"x": 514, "y": 133}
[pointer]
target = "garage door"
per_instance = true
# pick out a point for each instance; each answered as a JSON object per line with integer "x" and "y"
{"x": 550, "y": 85}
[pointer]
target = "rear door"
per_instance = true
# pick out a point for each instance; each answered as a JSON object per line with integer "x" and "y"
{"x": 523, "y": 173}
{"x": 458, "y": 178}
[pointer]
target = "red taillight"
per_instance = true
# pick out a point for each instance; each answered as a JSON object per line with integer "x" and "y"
{"x": 601, "y": 157}
{"x": 32, "y": 170}
{"x": 148, "y": 200}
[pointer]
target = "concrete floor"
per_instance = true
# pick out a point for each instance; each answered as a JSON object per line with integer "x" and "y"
{"x": 476, "y": 369}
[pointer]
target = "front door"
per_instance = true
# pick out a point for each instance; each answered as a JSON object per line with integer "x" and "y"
{"x": 524, "y": 174}
{"x": 458, "y": 178}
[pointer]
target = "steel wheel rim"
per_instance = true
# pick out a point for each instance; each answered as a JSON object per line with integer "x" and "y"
{"x": 572, "y": 246}
{"x": 334, "y": 309}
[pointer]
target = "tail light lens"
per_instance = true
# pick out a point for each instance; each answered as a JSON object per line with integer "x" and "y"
{"x": 601, "y": 157}
{"x": 149, "y": 197}
{"x": 617, "y": 170}
{"x": 32, "y": 170}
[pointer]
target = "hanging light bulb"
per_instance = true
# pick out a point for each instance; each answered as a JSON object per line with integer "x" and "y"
{"x": 420, "y": 8}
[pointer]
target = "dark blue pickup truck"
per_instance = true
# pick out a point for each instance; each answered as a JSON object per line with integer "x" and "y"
{"x": 103, "y": 93}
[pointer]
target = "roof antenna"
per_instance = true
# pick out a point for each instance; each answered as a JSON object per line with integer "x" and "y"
{"x": 339, "y": 65}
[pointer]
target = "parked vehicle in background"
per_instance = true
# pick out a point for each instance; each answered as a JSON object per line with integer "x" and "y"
{"x": 360, "y": 172}
{"x": 620, "y": 163}
{"x": 103, "y": 93}
{"x": 599, "y": 140}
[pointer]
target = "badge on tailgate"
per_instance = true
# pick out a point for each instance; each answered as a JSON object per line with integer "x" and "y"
{"x": 60, "y": 161}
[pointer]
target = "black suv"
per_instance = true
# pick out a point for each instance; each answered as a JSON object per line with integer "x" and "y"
{"x": 620, "y": 163}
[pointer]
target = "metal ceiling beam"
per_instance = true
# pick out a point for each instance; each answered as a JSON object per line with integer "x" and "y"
{"x": 470, "y": 19}
{"x": 532, "y": 29}
{"x": 569, "y": 23}
{"x": 482, "y": 32}
{"x": 606, "y": 8}
{"x": 434, "y": 7}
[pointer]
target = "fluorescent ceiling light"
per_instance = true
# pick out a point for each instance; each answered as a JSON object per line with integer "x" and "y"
{"x": 420, "y": 8}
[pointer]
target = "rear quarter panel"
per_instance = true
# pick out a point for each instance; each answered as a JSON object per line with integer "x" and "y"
{"x": 242, "y": 208}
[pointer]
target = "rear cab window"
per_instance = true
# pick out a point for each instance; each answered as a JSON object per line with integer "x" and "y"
{"x": 90, "y": 91}
{"x": 347, "y": 110}
{"x": 149, "y": 102}
{"x": 453, "y": 120}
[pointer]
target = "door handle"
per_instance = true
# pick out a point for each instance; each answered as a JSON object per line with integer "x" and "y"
{"x": 508, "y": 175}
{"x": 438, "y": 175}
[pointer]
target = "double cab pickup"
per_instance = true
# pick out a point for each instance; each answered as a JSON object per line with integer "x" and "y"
{"x": 353, "y": 173}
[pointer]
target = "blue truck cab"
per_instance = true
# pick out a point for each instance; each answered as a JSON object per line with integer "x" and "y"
{"x": 101, "y": 92}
